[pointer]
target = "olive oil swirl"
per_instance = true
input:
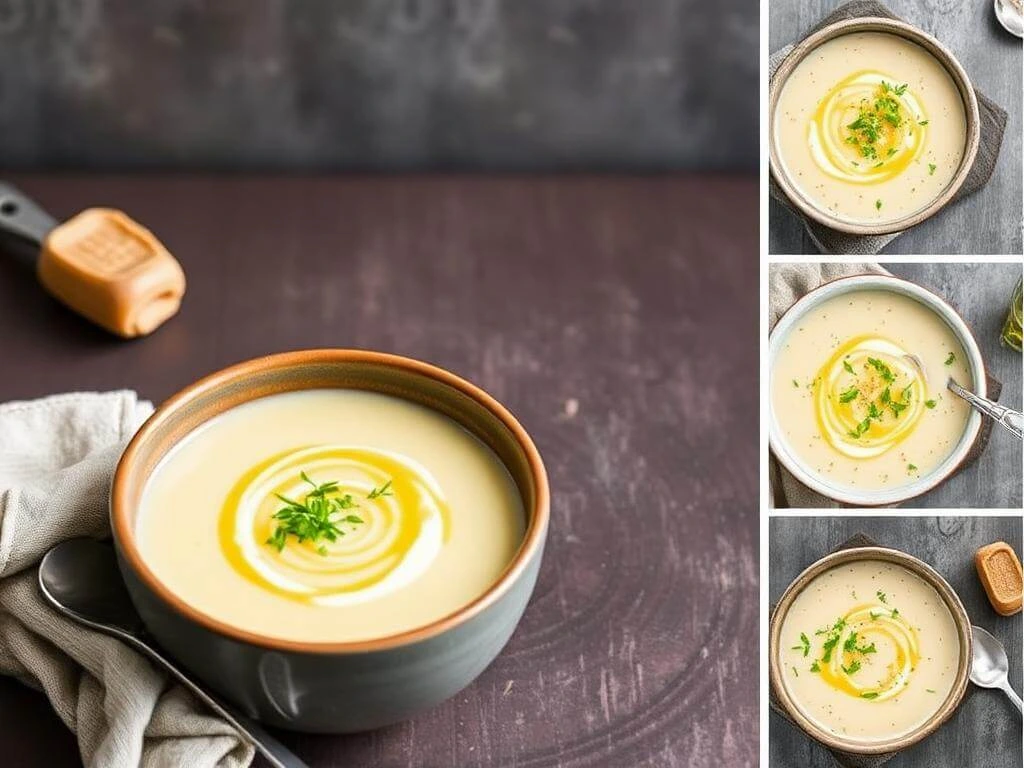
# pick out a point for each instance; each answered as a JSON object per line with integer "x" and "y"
{"x": 864, "y": 626}
{"x": 399, "y": 534}
{"x": 867, "y": 130}
{"x": 868, "y": 397}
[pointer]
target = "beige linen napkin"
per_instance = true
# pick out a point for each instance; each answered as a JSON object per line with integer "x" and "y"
{"x": 993, "y": 125}
{"x": 57, "y": 456}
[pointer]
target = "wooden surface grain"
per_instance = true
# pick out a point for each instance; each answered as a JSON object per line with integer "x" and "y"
{"x": 981, "y": 293}
{"x": 987, "y": 222}
{"x": 615, "y": 316}
{"x": 985, "y": 732}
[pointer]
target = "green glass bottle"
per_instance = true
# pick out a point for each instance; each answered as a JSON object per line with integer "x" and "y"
{"x": 1011, "y": 335}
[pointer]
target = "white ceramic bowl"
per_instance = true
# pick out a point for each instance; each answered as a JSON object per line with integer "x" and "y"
{"x": 778, "y": 442}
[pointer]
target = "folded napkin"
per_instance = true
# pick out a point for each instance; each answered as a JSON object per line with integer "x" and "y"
{"x": 57, "y": 456}
{"x": 786, "y": 284}
{"x": 993, "y": 125}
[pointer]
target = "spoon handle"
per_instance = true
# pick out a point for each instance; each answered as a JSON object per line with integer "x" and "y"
{"x": 276, "y": 753}
{"x": 1006, "y": 417}
{"x": 1008, "y": 690}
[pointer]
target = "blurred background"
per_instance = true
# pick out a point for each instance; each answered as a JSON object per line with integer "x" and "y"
{"x": 379, "y": 84}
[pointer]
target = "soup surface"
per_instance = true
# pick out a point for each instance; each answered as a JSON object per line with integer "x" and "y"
{"x": 851, "y": 404}
{"x": 870, "y": 127}
{"x": 329, "y": 516}
{"x": 869, "y": 651}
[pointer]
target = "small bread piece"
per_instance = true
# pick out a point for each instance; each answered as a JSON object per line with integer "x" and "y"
{"x": 113, "y": 271}
{"x": 1000, "y": 573}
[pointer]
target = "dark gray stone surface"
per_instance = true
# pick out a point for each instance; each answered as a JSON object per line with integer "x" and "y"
{"x": 372, "y": 84}
{"x": 988, "y": 222}
{"x": 985, "y": 732}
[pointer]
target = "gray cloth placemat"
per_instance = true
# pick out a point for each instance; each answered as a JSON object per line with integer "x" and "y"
{"x": 787, "y": 283}
{"x": 993, "y": 125}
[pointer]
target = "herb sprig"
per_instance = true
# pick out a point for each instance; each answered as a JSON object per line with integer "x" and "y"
{"x": 319, "y": 516}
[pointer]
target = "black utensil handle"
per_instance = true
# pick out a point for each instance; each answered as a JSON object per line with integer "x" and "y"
{"x": 22, "y": 219}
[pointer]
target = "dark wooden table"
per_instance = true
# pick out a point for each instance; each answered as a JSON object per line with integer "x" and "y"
{"x": 985, "y": 731}
{"x": 617, "y": 317}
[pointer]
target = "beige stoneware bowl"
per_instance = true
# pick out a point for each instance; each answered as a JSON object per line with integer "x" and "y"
{"x": 960, "y": 619}
{"x": 931, "y": 45}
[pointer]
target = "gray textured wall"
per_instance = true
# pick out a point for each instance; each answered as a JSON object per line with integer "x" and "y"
{"x": 379, "y": 84}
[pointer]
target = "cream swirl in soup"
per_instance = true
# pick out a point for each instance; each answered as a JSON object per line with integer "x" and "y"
{"x": 870, "y": 127}
{"x": 329, "y": 516}
{"x": 858, "y": 390}
{"x": 869, "y": 651}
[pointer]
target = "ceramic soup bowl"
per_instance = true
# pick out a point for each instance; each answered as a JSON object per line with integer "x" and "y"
{"x": 333, "y": 687}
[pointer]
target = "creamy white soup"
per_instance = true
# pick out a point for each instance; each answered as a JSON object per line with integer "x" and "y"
{"x": 869, "y": 651}
{"x": 870, "y": 127}
{"x": 858, "y": 389}
{"x": 329, "y": 516}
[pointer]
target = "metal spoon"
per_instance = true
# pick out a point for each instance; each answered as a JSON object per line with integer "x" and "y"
{"x": 990, "y": 665}
{"x": 80, "y": 578}
{"x": 1007, "y": 417}
{"x": 1009, "y": 15}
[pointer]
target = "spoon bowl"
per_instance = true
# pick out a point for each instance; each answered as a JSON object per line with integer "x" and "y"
{"x": 990, "y": 665}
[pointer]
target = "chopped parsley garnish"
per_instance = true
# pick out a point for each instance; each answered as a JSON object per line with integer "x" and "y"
{"x": 931, "y": 169}
{"x": 847, "y": 367}
{"x": 869, "y": 695}
{"x": 911, "y": 468}
{"x": 849, "y": 395}
{"x": 318, "y": 517}
{"x": 950, "y": 359}
{"x": 384, "y": 490}
{"x": 881, "y": 595}
{"x": 882, "y": 369}
{"x": 930, "y": 403}
{"x": 878, "y": 205}
{"x": 805, "y": 644}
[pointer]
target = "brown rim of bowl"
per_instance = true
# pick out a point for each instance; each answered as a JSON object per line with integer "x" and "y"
{"x": 937, "y": 51}
{"x": 960, "y": 619}
{"x": 984, "y": 393}
{"x": 533, "y": 538}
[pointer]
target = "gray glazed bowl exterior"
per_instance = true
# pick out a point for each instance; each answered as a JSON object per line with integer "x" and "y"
{"x": 336, "y": 692}
{"x": 334, "y": 687}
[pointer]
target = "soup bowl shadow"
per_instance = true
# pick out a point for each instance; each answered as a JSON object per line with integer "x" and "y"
{"x": 790, "y": 459}
{"x": 775, "y": 647}
{"x": 324, "y": 687}
{"x": 972, "y": 137}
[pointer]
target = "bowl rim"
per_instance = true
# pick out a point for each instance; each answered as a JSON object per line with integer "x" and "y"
{"x": 871, "y": 281}
{"x": 924, "y": 571}
{"x": 941, "y": 54}
{"x": 530, "y": 546}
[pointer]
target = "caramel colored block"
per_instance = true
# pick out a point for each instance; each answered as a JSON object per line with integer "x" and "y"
{"x": 1000, "y": 573}
{"x": 113, "y": 271}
